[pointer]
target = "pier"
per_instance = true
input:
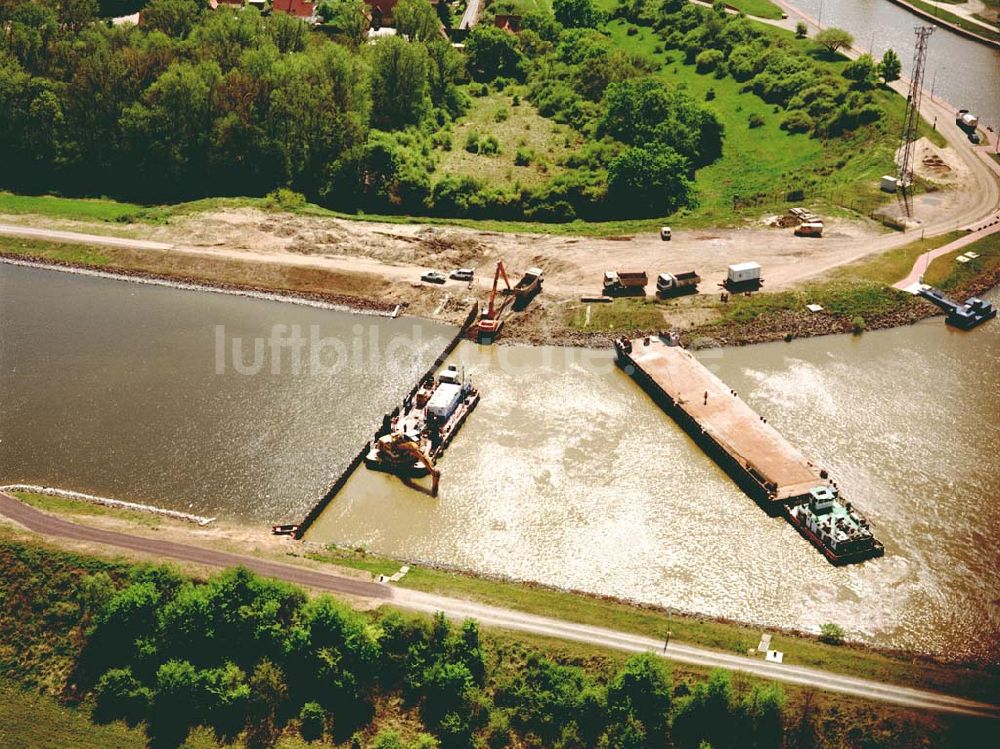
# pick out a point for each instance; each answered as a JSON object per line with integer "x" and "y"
{"x": 721, "y": 422}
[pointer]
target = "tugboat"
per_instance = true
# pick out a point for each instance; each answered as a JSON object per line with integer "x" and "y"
{"x": 414, "y": 437}
{"x": 834, "y": 527}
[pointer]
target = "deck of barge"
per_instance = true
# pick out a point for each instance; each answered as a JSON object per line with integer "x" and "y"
{"x": 781, "y": 470}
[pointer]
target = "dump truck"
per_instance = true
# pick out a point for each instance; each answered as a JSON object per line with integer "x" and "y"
{"x": 529, "y": 285}
{"x": 809, "y": 229}
{"x": 743, "y": 277}
{"x": 622, "y": 283}
{"x": 675, "y": 284}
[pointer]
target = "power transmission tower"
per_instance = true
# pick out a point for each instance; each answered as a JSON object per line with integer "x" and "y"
{"x": 911, "y": 121}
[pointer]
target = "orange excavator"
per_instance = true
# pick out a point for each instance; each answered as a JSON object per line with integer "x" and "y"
{"x": 489, "y": 319}
{"x": 401, "y": 452}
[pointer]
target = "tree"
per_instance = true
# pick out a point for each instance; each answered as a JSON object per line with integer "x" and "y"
{"x": 173, "y": 709}
{"x": 491, "y": 53}
{"x": 576, "y": 13}
{"x": 287, "y": 32}
{"x": 641, "y": 690}
{"x": 831, "y": 634}
{"x": 416, "y": 20}
{"x": 349, "y": 17}
{"x": 863, "y": 71}
{"x": 75, "y": 14}
{"x": 801, "y": 30}
{"x": 708, "y": 714}
{"x": 399, "y": 83}
{"x": 173, "y": 17}
{"x": 444, "y": 14}
{"x": 268, "y": 692}
{"x": 834, "y": 39}
{"x": 312, "y": 721}
{"x": 890, "y": 68}
{"x": 119, "y": 695}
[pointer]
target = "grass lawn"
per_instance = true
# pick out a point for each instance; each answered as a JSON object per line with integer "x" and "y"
{"x": 760, "y": 8}
{"x": 86, "y": 209}
{"x": 892, "y": 265}
{"x": 516, "y": 127}
{"x": 653, "y": 622}
{"x": 619, "y": 315}
{"x": 81, "y": 507}
{"x": 947, "y": 274}
{"x": 64, "y": 252}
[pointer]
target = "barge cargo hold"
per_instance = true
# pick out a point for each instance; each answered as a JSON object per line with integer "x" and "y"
{"x": 764, "y": 464}
{"x": 413, "y": 437}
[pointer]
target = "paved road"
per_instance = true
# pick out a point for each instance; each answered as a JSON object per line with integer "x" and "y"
{"x": 471, "y": 15}
{"x": 50, "y": 525}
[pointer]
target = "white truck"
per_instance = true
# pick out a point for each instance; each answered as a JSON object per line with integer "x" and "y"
{"x": 809, "y": 229}
{"x": 743, "y": 277}
{"x": 675, "y": 284}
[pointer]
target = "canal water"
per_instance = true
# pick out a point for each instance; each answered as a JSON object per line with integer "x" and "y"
{"x": 963, "y": 72}
{"x": 566, "y": 473}
{"x": 123, "y": 390}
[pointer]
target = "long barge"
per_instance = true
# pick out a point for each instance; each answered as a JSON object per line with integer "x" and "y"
{"x": 761, "y": 461}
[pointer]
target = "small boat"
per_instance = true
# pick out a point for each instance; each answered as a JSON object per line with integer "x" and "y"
{"x": 284, "y": 530}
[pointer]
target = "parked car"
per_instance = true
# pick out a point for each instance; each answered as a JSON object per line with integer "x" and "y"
{"x": 463, "y": 274}
{"x": 665, "y": 233}
{"x": 975, "y": 139}
{"x": 432, "y": 276}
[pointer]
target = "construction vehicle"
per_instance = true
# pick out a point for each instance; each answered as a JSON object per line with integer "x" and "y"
{"x": 966, "y": 120}
{"x": 809, "y": 229}
{"x": 490, "y": 322}
{"x": 743, "y": 277}
{"x": 625, "y": 283}
{"x": 675, "y": 284}
{"x": 529, "y": 285}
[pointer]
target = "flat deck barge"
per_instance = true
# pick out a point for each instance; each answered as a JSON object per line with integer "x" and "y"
{"x": 750, "y": 450}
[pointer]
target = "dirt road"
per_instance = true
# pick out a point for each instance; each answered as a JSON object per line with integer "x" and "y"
{"x": 49, "y": 525}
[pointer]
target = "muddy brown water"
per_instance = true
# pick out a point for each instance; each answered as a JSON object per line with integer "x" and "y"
{"x": 566, "y": 473}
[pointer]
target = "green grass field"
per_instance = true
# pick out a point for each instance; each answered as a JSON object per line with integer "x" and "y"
{"x": 80, "y": 507}
{"x": 948, "y": 274}
{"x": 89, "y": 209}
{"x": 515, "y": 127}
{"x": 760, "y": 8}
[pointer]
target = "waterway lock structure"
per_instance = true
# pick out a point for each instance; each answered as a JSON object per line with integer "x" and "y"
{"x": 761, "y": 461}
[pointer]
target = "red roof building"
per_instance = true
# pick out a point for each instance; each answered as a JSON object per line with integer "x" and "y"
{"x": 298, "y": 8}
{"x": 507, "y": 22}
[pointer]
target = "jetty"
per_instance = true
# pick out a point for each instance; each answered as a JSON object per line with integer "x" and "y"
{"x": 755, "y": 454}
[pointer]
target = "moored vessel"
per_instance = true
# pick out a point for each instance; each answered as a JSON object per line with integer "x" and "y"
{"x": 834, "y": 527}
{"x": 414, "y": 436}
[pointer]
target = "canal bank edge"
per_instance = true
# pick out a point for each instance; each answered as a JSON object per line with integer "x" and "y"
{"x": 938, "y": 21}
{"x": 976, "y": 681}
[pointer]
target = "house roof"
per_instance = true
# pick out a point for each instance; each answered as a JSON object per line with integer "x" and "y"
{"x": 297, "y": 8}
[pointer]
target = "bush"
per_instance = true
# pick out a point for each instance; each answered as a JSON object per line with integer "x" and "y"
{"x": 501, "y": 115}
{"x": 801, "y": 30}
{"x": 472, "y": 142}
{"x": 710, "y": 94}
{"x": 632, "y": 30}
{"x": 119, "y": 696}
{"x": 523, "y": 157}
{"x": 797, "y": 121}
{"x": 833, "y": 634}
{"x": 708, "y": 60}
{"x": 489, "y": 146}
{"x": 312, "y": 721}
{"x": 754, "y": 121}
{"x": 284, "y": 199}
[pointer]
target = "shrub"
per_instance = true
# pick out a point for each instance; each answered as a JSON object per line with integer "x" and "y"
{"x": 833, "y": 634}
{"x": 501, "y": 115}
{"x": 284, "y": 199}
{"x": 708, "y": 60}
{"x": 472, "y": 142}
{"x": 312, "y": 721}
{"x": 797, "y": 121}
{"x": 801, "y": 30}
{"x": 632, "y": 30}
{"x": 119, "y": 695}
{"x": 523, "y": 156}
{"x": 755, "y": 121}
{"x": 710, "y": 94}
{"x": 516, "y": 101}
{"x": 489, "y": 146}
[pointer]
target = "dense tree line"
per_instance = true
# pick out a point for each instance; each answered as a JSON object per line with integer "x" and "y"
{"x": 199, "y": 103}
{"x": 246, "y": 657}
